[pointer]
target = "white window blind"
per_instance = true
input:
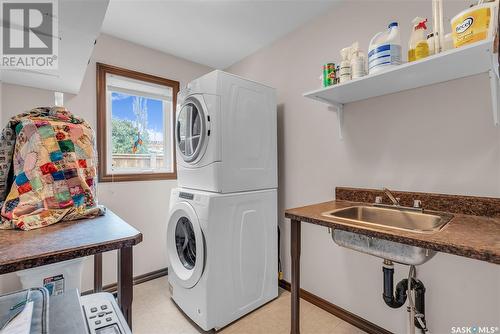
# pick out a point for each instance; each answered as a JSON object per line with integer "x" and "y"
{"x": 139, "y": 88}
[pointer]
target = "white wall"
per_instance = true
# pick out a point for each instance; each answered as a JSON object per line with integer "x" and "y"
{"x": 434, "y": 139}
{"x": 143, "y": 204}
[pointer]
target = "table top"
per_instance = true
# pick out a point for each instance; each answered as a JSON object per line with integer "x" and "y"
{"x": 476, "y": 237}
{"x": 63, "y": 241}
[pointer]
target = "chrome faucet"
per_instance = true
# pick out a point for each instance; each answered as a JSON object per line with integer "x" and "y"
{"x": 394, "y": 200}
{"x": 417, "y": 204}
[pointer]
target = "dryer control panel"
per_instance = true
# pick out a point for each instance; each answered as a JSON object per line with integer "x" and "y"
{"x": 185, "y": 195}
{"x": 102, "y": 314}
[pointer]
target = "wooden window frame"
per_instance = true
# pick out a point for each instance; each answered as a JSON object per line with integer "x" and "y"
{"x": 102, "y": 145}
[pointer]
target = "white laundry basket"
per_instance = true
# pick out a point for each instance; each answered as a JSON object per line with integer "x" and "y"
{"x": 57, "y": 277}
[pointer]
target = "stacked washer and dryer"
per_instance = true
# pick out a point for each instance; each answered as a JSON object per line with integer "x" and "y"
{"x": 222, "y": 229}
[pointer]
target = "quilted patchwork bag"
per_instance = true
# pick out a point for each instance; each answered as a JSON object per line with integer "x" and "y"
{"x": 48, "y": 166}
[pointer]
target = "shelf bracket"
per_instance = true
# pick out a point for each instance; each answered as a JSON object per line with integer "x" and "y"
{"x": 494, "y": 95}
{"x": 339, "y": 108}
{"x": 340, "y": 119}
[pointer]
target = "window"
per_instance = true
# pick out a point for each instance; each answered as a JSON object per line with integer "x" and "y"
{"x": 135, "y": 124}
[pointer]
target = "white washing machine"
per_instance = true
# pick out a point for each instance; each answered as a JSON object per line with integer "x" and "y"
{"x": 226, "y": 134}
{"x": 223, "y": 256}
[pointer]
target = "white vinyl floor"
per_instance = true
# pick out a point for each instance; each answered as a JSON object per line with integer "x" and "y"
{"x": 155, "y": 313}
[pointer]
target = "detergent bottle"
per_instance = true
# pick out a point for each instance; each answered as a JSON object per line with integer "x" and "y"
{"x": 345, "y": 65}
{"x": 358, "y": 62}
{"x": 385, "y": 49}
{"x": 417, "y": 46}
{"x": 476, "y": 23}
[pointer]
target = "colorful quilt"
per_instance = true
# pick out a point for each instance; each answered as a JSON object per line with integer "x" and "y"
{"x": 47, "y": 169}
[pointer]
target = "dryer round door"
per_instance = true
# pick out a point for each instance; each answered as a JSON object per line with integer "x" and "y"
{"x": 185, "y": 245}
{"x": 191, "y": 129}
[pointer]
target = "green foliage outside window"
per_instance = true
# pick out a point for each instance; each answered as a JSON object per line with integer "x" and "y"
{"x": 124, "y": 134}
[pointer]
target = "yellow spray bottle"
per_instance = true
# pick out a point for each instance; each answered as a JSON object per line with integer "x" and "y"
{"x": 417, "y": 46}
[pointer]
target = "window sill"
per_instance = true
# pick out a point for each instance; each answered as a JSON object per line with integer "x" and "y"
{"x": 137, "y": 177}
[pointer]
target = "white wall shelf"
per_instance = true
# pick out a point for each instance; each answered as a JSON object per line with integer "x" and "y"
{"x": 449, "y": 65}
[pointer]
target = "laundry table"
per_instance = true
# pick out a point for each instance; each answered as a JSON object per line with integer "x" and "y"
{"x": 68, "y": 240}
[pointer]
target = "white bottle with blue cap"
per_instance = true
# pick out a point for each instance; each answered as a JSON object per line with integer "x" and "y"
{"x": 385, "y": 50}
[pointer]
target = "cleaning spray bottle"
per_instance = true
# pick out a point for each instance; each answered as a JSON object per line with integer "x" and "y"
{"x": 417, "y": 46}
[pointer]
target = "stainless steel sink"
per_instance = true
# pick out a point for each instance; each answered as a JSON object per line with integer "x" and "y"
{"x": 400, "y": 219}
{"x": 385, "y": 249}
{"x": 397, "y": 218}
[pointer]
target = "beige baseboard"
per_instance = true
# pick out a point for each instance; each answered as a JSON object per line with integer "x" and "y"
{"x": 337, "y": 311}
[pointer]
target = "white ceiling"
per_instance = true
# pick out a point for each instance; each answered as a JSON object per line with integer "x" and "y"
{"x": 213, "y": 33}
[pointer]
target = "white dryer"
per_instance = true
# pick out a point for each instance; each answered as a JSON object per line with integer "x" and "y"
{"x": 226, "y": 137}
{"x": 222, "y": 250}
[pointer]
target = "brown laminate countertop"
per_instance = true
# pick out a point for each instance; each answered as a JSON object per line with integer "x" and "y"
{"x": 63, "y": 241}
{"x": 475, "y": 237}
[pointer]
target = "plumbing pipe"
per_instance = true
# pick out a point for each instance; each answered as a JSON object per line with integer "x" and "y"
{"x": 416, "y": 301}
{"x": 399, "y": 299}
{"x": 411, "y": 308}
{"x": 419, "y": 289}
{"x": 58, "y": 99}
{"x": 441, "y": 26}
{"x": 409, "y": 288}
{"x": 436, "y": 26}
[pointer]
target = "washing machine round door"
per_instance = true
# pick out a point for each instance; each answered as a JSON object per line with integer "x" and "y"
{"x": 185, "y": 244}
{"x": 191, "y": 129}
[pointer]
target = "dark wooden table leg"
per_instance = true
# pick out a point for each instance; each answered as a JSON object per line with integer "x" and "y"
{"x": 98, "y": 272}
{"x": 295, "y": 284}
{"x": 125, "y": 286}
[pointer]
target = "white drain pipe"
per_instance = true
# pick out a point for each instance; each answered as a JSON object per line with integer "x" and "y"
{"x": 58, "y": 99}
{"x": 411, "y": 306}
